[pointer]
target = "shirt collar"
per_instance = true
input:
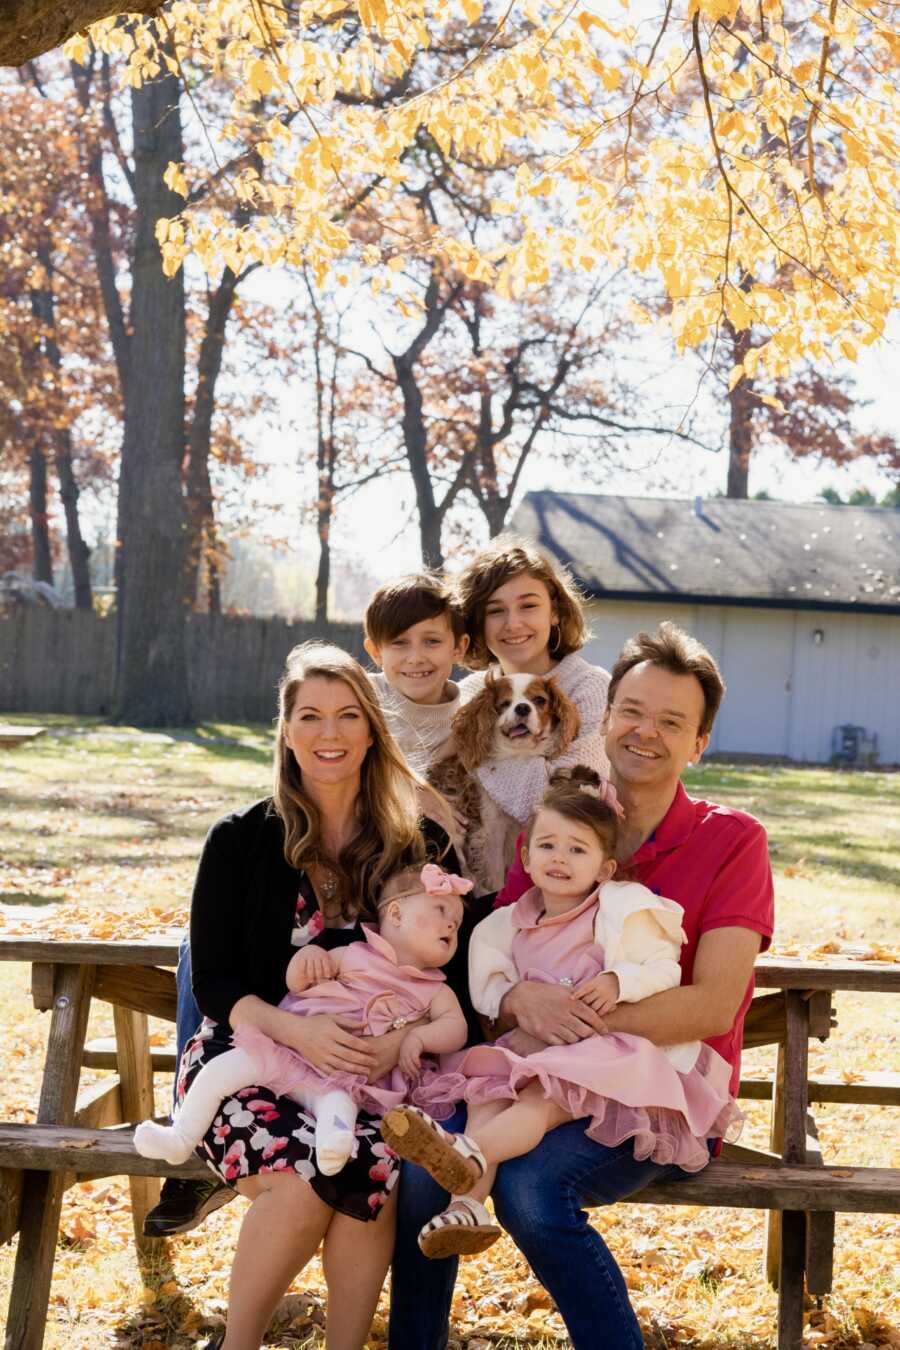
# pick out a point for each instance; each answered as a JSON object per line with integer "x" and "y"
{"x": 674, "y": 828}
{"x": 384, "y": 948}
{"x": 528, "y": 911}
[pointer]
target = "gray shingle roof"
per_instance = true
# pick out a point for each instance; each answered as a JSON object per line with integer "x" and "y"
{"x": 721, "y": 550}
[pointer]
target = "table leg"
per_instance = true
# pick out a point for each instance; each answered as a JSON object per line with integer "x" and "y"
{"x": 776, "y": 1144}
{"x": 42, "y": 1191}
{"x": 792, "y": 1264}
{"x": 136, "y": 1078}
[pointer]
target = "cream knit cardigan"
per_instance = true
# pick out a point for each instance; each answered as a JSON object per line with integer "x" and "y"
{"x": 517, "y": 785}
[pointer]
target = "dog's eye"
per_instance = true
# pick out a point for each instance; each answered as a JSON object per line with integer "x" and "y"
{"x": 504, "y": 704}
{"x": 539, "y": 701}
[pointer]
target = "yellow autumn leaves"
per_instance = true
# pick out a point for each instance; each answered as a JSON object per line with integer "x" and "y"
{"x": 743, "y": 152}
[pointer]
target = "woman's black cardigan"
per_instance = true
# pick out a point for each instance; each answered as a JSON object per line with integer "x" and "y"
{"x": 243, "y": 913}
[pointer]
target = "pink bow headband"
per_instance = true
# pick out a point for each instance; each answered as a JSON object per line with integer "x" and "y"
{"x": 605, "y": 793}
{"x": 435, "y": 881}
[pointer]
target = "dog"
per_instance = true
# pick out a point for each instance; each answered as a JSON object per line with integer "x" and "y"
{"x": 514, "y": 716}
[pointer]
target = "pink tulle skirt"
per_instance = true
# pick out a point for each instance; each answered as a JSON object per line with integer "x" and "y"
{"x": 286, "y": 1073}
{"x": 626, "y": 1086}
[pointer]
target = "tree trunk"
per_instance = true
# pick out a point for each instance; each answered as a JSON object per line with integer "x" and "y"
{"x": 42, "y": 561}
{"x": 740, "y": 429}
{"x": 201, "y": 521}
{"x": 415, "y": 439}
{"x": 79, "y": 553}
{"x": 28, "y": 28}
{"x": 151, "y": 674}
{"x": 44, "y": 310}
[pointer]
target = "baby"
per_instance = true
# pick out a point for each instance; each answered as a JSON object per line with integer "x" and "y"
{"x": 387, "y": 981}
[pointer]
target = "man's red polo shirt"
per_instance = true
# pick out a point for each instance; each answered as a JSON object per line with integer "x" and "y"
{"x": 715, "y": 862}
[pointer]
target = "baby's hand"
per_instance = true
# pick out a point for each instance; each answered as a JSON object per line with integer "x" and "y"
{"x": 410, "y": 1057}
{"x": 311, "y": 965}
{"x": 601, "y": 993}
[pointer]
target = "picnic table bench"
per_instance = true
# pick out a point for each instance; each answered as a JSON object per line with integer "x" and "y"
{"x": 76, "y": 1137}
{"x": 12, "y": 736}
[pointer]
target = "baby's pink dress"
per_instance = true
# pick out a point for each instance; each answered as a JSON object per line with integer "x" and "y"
{"x": 373, "y": 990}
{"x": 626, "y": 1085}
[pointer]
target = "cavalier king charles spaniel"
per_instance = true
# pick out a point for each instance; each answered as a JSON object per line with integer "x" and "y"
{"x": 514, "y": 716}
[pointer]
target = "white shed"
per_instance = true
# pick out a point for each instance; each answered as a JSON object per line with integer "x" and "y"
{"x": 800, "y": 604}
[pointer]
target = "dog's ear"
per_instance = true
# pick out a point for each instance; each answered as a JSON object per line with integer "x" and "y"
{"x": 475, "y": 730}
{"x": 566, "y": 714}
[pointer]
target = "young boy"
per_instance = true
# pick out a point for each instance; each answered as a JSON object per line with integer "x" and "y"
{"x": 415, "y": 634}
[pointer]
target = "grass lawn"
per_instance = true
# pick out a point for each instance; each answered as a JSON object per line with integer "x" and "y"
{"x": 101, "y": 828}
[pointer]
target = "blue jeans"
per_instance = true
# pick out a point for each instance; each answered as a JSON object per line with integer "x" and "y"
{"x": 539, "y": 1200}
{"x": 187, "y": 1015}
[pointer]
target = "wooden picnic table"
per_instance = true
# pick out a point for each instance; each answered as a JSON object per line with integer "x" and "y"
{"x": 72, "y": 1137}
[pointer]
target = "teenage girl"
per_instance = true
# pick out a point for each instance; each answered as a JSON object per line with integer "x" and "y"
{"x": 524, "y": 615}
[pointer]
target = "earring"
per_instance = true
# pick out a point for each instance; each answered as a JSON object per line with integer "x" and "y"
{"x": 553, "y": 647}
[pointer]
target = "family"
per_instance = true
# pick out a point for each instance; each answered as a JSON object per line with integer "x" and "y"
{"x": 363, "y": 986}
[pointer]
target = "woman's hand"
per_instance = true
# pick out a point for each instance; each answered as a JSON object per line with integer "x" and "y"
{"x": 328, "y": 1043}
{"x": 551, "y": 1013}
{"x": 411, "y": 1051}
{"x": 386, "y": 1050}
{"x": 311, "y": 965}
{"x": 601, "y": 993}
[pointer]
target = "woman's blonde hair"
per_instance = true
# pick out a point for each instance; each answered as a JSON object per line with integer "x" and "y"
{"x": 389, "y": 835}
{"x": 505, "y": 557}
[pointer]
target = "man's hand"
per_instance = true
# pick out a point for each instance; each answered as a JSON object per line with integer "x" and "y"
{"x": 329, "y": 1043}
{"x": 311, "y": 965}
{"x": 601, "y": 993}
{"x": 551, "y": 1013}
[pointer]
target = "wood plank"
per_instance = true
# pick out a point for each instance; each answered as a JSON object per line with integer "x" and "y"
{"x": 136, "y": 1074}
{"x": 819, "y": 1260}
{"x": 796, "y": 1075}
{"x": 869, "y": 1089}
{"x": 749, "y": 1157}
{"x": 790, "y": 1280}
{"x": 861, "y": 1190}
{"x": 772, "y": 1257}
{"x": 100, "y": 1053}
{"x": 99, "y": 1105}
{"x": 871, "y": 977}
{"x": 144, "y": 989}
{"x": 147, "y": 952}
{"x": 12, "y": 736}
{"x": 764, "y": 1023}
{"x": 10, "y": 1203}
{"x": 42, "y": 1192}
{"x": 43, "y": 976}
{"x": 107, "y": 1152}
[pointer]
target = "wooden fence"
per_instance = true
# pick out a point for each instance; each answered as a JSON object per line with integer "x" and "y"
{"x": 64, "y": 661}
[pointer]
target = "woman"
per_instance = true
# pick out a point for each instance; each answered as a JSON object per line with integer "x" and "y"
{"x": 526, "y": 615}
{"x": 305, "y": 865}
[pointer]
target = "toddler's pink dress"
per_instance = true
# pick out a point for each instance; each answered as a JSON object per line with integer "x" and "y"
{"x": 372, "y": 989}
{"x": 627, "y": 1086}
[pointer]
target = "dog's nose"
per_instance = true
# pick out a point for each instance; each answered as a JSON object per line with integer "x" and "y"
{"x": 522, "y": 709}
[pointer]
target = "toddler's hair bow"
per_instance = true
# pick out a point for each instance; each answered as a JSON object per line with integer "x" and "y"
{"x": 438, "y": 882}
{"x": 604, "y": 792}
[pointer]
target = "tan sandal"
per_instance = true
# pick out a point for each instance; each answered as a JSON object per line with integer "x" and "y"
{"x": 464, "y": 1228}
{"x": 415, "y": 1136}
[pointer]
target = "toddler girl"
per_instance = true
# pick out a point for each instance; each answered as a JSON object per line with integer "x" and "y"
{"x": 610, "y": 941}
{"x": 387, "y": 981}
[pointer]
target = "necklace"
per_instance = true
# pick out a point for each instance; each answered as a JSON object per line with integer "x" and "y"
{"x": 328, "y": 883}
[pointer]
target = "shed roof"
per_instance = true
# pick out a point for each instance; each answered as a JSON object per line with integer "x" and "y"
{"x": 721, "y": 550}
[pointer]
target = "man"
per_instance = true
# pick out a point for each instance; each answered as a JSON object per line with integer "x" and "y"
{"x": 663, "y": 697}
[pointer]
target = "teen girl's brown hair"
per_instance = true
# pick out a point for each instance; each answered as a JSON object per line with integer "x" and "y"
{"x": 506, "y": 557}
{"x": 574, "y": 794}
{"x": 389, "y": 836}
